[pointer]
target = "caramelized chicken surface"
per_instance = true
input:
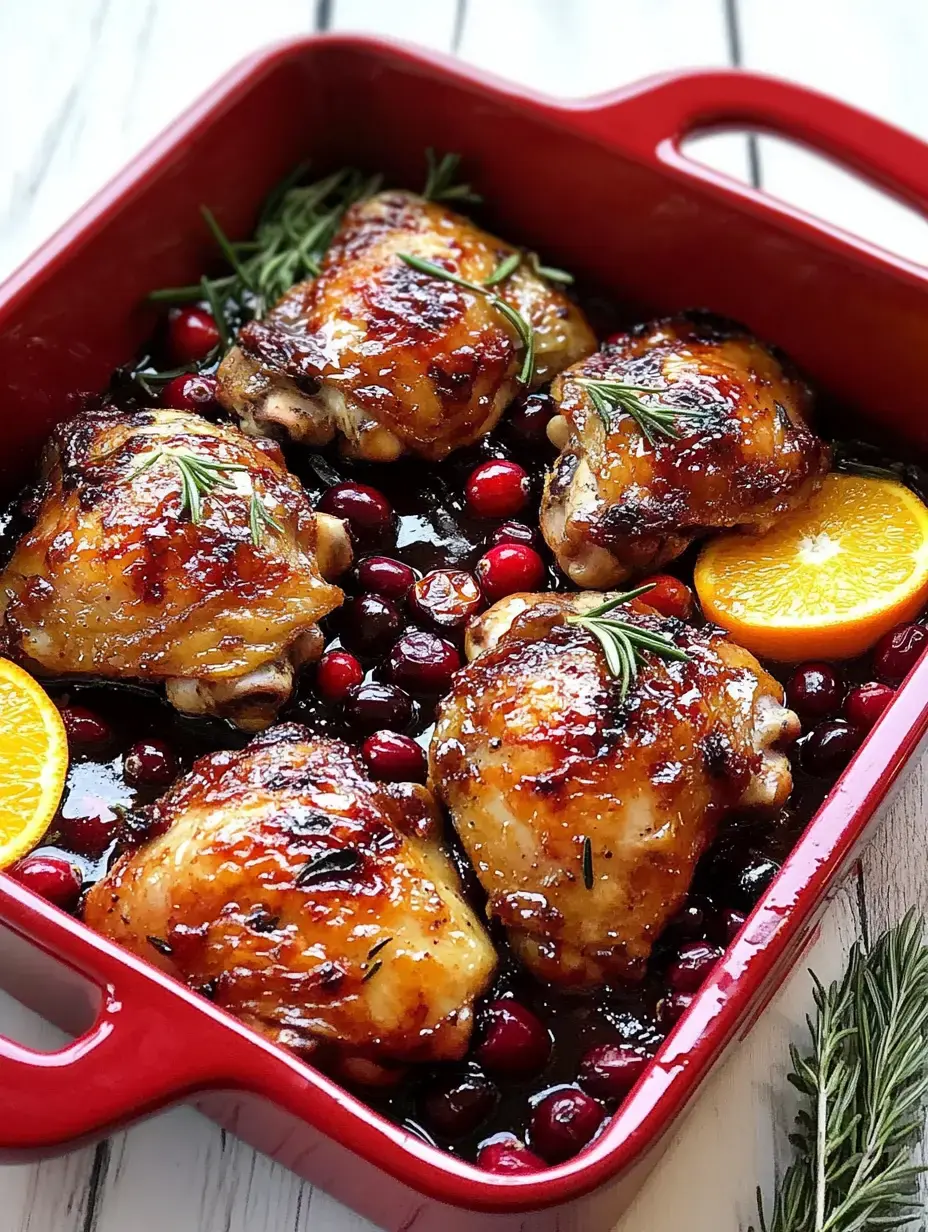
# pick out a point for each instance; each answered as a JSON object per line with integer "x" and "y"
{"x": 211, "y": 580}
{"x": 390, "y": 359}
{"x": 617, "y": 504}
{"x": 307, "y": 900}
{"x": 583, "y": 815}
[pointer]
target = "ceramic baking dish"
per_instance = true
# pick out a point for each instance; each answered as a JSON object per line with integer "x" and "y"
{"x": 599, "y": 186}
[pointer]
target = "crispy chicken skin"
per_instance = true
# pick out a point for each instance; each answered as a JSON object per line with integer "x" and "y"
{"x": 534, "y": 753}
{"x": 309, "y": 901}
{"x": 390, "y": 359}
{"x": 117, "y": 580}
{"x": 616, "y": 505}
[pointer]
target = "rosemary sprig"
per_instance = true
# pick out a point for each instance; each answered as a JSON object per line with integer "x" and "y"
{"x": 441, "y": 181}
{"x": 655, "y": 419}
{"x": 550, "y": 272}
{"x": 623, "y": 643}
{"x": 863, "y": 1086}
{"x": 510, "y": 264}
{"x": 507, "y": 266}
{"x": 587, "y": 862}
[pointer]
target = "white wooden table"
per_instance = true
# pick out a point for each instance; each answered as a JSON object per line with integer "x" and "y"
{"x": 83, "y": 85}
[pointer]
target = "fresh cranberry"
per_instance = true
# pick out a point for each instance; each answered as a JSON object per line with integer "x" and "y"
{"x": 515, "y": 532}
{"x": 529, "y": 418}
{"x": 497, "y": 489}
{"x": 368, "y": 512}
{"x": 829, "y": 747}
{"x": 150, "y": 763}
{"x": 669, "y": 596}
{"x": 53, "y": 878}
{"x": 813, "y": 691}
{"x": 370, "y": 625}
{"x": 85, "y": 729}
{"x": 191, "y": 392}
{"x": 446, "y": 598}
{"x": 609, "y": 1071}
{"x": 563, "y": 1123}
{"x": 381, "y": 575}
{"x": 371, "y": 706}
{"x": 730, "y": 924}
{"x": 898, "y": 651}
{"x": 393, "y": 758}
{"x": 670, "y": 1009}
{"x": 509, "y": 568}
{"x": 89, "y": 835}
{"x": 864, "y": 705}
{"x": 515, "y": 1041}
{"x": 456, "y": 1105}
{"x": 192, "y": 334}
{"x": 423, "y": 663}
{"x": 509, "y": 1158}
{"x": 338, "y": 671}
{"x": 694, "y": 961}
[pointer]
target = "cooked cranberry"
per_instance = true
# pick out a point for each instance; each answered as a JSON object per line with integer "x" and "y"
{"x": 150, "y": 763}
{"x": 813, "y": 691}
{"x": 192, "y": 334}
{"x": 898, "y": 651}
{"x": 371, "y": 706}
{"x": 689, "y": 922}
{"x": 730, "y": 923}
{"x": 515, "y": 1041}
{"x": 423, "y": 663}
{"x": 456, "y": 1105}
{"x": 609, "y": 1071}
{"x": 394, "y": 758}
{"x": 338, "y": 671}
{"x": 368, "y": 512}
{"x": 509, "y": 1158}
{"x": 694, "y": 961}
{"x": 829, "y": 747}
{"x": 381, "y": 575}
{"x": 669, "y": 595}
{"x": 528, "y": 419}
{"x": 89, "y": 835}
{"x": 563, "y": 1123}
{"x": 515, "y": 532}
{"x": 752, "y": 879}
{"x": 864, "y": 705}
{"x": 370, "y": 624}
{"x": 446, "y": 598}
{"x": 509, "y": 568}
{"x": 85, "y": 729}
{"x": 497, "y": 489}
{"x": 670, "y": 1009}
{"x": 52, "y": 877}
{"x": 191, "y": 392}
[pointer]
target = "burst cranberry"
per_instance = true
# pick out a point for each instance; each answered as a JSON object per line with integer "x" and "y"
{"x": 563, "y": 1123}
{"x": 338, "y": 671}
{"x": 509, "y": 568}
{"x": 509, "y": 1158}
{"x": 694, "y": 961}
{"x": 670, "y": 1009}
{"x": 446, "y": 598}
{"x": 150, "y": 763}
{"x": 814, "y": 691}
{"x": 89, "y": 835}
{"x": 456, "y": 1105}
{"x": 368, "y": 512}
{"x": 370, "y": 625}
{"x": 609, "y": 1071}
{"x": 669, "y": 596}
{"x": 515, "y": 1041}
{"x": 381, "y": 575}
{"x": 191, "y": 392}
{"x": 829, "y": 747}
{"x": 864, "y": 705}
{"x": 85, "y": 729}
{"x": 515, "y": 532}
{"x": 898, "y": 651}
{"x": 53, "y": 878}
{"x": 423, "y": 663}
{"x": 192, "y": 334}
{"x": 372, "y": 706}
{"x": 497, "y": 489}
{"x": 393, "y": 758}
{"x": 528, "y": 420}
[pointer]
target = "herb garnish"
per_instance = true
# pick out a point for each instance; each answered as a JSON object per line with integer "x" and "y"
{"x": 510, "y": 264}
{"x": 441, "y": 180}
{"x": 328, "y": 866}
{"x": 624, "y": 643}
{"x": 550, "y": 272}
{"x": 163, "y": 947}
{"x": 655, "y": 419}
{"x": 371, "y": 971}
{"x": 507, "y": 266}
{"x": 588, "y": 862}
{"x": 375, "y": 949}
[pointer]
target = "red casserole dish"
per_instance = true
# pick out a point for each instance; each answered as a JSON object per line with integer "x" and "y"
{"x": 602, "y": 186}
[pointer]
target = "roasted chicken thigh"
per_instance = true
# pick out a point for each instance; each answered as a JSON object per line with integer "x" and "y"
{"x": 735, "y": 450}
{"x": 584, "y": 814}
{"x": 167, "y": 548}
{"x": 392, "y": 359}
{"x": 309, "y": 901}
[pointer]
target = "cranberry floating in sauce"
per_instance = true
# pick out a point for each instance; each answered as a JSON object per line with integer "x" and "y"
{"x": 729, "y": 924}
{"x": 372, "y": 706}
{"x": 528, "y": 419}
{"x": 829, "y": 747}
{"x": 368, "y": 512}
{"x": 692, "y": 965}
{"x": 455, "y": 1105}
{"x": 609, "y": 1071}
{"x": 423, "y": 663}
{"x": 515, "y": 1041}
{"x": 88, "y": 835}
{"x": 86, "y": 730}
{"x": 192, "y": 334}
{"x": 669, "y": 595}
{"x": 670, "y": 1009}
{"x": 191, "y": 392}
{"x": 864, "y": 705}
{"x": 814, "y": 691}
{"x": 446, "y": 598}
{"x": 369, "y": 625}
{"x": 497, "y": 489}
{"x": 382, "y": 575}
{"x": 393, "y": 758}
{"x": 897, "y": 651}
{"x": 515, "y": 532}
{"x": 509, "y": 568}
{"x": 337, "y": 672}
{"x": 150, "y": 763}
{"x": 509, "y": 1157}
{"x": 51, "y": 877}
{"x": 563, "y": 1123}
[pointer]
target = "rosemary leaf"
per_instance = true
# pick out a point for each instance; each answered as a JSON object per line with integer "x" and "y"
{"x": 654, "y": 419}
{"x": 441, "y": 182}
{"x": 588, "y": 862}
{"x": 549, "y": 272}
{"x": 259, "y": 519}
{"x": 507, "y": 266}
{"x": 375, "y": 949}
{"x": 329, "y": 866}
{"x": 371, "y": 971}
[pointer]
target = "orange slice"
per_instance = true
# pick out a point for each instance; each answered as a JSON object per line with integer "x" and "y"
{"x": 826, "y": 581}
{"x": 33, "y": 762}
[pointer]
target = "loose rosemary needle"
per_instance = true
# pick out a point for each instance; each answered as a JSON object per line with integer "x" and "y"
{"x": 611, "y": 398}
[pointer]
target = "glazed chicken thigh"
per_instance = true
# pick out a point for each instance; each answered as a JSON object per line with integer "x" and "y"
{"x": 309, "y": 901}
{"x": 737, "y": 451}
{"x": 169, "y": 549}
{"x": 391, "y": 359}
{"x": 584, "y": 815}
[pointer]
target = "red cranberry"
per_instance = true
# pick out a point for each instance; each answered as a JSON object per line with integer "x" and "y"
{"x": 515, "y": 532}
{"x": 670, "y": 596}
{"x": 563, "y": 1123}
{"x": 53, "y": 878}
{"x": 497, "y": 489}
{"x": 689, "y": 922}
{"x": 85, "y": 729}
{"x": 191, "y": 392}
{"x": 670, "y": 1009}
{"x": 338, "y": 671}
{"x": 89, "y": 835}
{"x": 381, "y": 575}
{"x": 446, "y": 598}
{"x": 192, "y": 334}
{"x": 370, "y": 625}
{"x": 393, "y": 758}
{"x": 529, "y": 419}
{"x": 368, "y": 512}
{"x": 730, "y": 924}
{"x": 371, "y": 706}
{"x": 455, "y": 1106}
{"x": 509, "y": 568}
{"x": 694, "y": 961}
{"x": 150, "y": 763}
{"x": 753, "y": 879}
{"x": 864, "y": 705}
{"x": 898, "y": 651}
{"x": 813, "y": 691}
{"x": 423, "y": 663}
{"x": 611, "y": 1070}
{"x": 829, "y": 747}
{"x": 509, "y": 1158}
{"x": 515, "y": 1041}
